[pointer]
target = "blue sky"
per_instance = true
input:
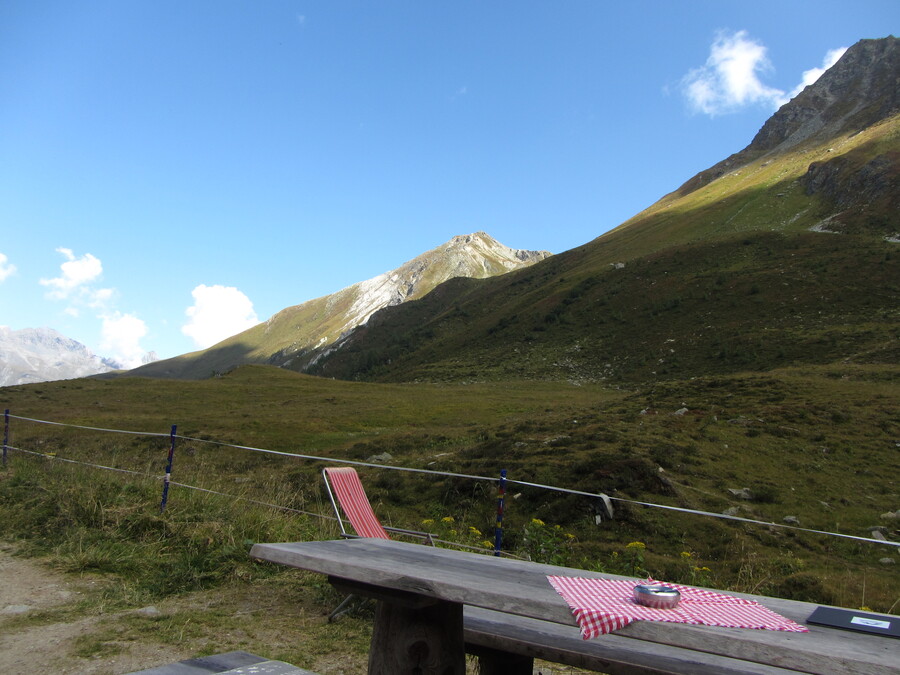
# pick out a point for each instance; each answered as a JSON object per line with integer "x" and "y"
{"x": 172, "y": 172}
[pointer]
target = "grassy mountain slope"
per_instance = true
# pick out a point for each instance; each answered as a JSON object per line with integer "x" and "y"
{"x": 757, "y": 303}
{"x": 315, "y": 325}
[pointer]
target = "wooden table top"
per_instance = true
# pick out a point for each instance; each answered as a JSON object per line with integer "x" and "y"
{"x": 521, "y": 587}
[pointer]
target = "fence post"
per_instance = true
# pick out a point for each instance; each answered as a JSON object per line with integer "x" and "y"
{"x": 168, "y": 476}
{"x": 5, "y": 434}
{"x": 498, "y": 530}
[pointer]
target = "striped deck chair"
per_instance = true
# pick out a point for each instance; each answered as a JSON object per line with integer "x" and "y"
{"x": 348, "y": 495}
{"x": 346, "y": 489}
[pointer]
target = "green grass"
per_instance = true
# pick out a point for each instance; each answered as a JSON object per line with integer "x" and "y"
{"x": 87, "y": 520}
{"x": 817, "y": 443}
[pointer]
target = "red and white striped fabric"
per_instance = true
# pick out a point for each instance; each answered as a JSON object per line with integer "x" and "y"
{"x": 604, "y": 605}
{"x": 353, "y": 500}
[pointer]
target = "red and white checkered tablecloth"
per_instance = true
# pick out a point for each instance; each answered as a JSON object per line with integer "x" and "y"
{"x": 604, "y": 605}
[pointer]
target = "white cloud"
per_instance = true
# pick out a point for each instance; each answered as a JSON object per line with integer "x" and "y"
{"x": 730, "y": 79}
{"x": 75, "y": 284}
{"x": 77, "y": 273}
{"x": 100, "y": 297}
{"x": 6, "y": 269}
{"x": 121, "y": 339}
{"x": 218, "y": 312}
{"x": 813, "y": 74}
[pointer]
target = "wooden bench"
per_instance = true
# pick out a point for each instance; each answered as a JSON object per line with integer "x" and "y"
{"x": 506, "y": 643}
{"x": 229, "y": 663}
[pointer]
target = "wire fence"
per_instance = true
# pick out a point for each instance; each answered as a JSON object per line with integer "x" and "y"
{"x": 497, "y": 480}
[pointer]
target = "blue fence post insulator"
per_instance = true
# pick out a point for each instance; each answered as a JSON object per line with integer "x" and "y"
{"x": 498, "y": 530}
{"x": 5, "y": 434}
{"x": 168, "y": 477}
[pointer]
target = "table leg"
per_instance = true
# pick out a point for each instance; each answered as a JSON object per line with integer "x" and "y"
{"x": 418, "y": 641}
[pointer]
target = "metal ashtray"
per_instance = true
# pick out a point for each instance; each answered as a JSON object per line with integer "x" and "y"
{"x": 656, "y": 596}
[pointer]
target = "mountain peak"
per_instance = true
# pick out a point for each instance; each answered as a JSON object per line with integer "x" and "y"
{"x": 862, "y": 88}
{"x": 476, "y": 255}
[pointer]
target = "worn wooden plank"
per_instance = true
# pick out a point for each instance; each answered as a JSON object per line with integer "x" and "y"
{"x": 520, "y": 587}
{"x": 611, "y": 654}
{"x": 269, "y": 668}
{"x": 203, "y": 665}
{"x": 229, "y": 663}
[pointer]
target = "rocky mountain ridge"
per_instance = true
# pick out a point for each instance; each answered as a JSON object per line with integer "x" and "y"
{"x": 476, "y": 256}
{"x": 472, "y": 256}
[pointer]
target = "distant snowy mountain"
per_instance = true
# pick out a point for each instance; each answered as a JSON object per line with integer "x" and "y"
{"x": 42, "y": 354}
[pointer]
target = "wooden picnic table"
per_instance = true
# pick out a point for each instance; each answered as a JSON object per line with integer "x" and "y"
{"x": 422, "y": 591}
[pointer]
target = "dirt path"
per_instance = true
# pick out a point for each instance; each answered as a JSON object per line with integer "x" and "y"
{"x": 55, "y": 623}
{"x": 40, "y": 625}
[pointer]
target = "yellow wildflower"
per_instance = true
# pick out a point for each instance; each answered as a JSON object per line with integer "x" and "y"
{"x": 447, "y": 519}
{"x": 428, "y": 521}
{"x": 475, "y": 531}
{"x": 685, "y": 554}
{"x": 537, "y": 521}
{"x": 636, "y": 544}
